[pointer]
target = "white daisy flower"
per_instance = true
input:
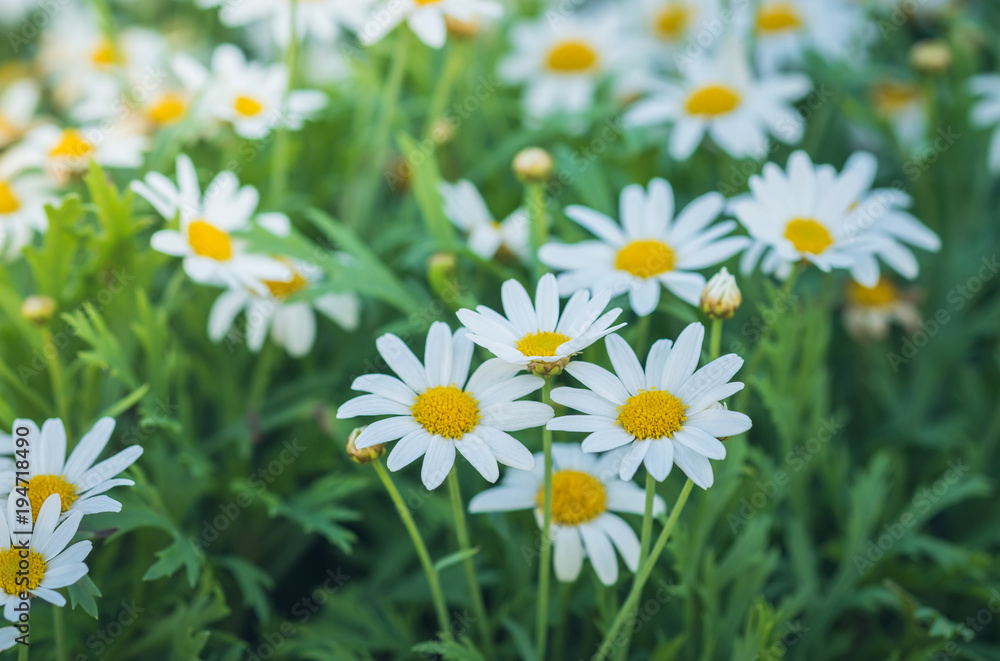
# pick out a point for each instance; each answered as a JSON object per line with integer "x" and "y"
{"x": 437, "y": 409}
{"x": 292, "y": 323}
{"x": 8, "y": 637}
{"x": 536, "y": 337}
{"x": 466, "y": 208}
{"x": 18, "y": 102}
{"x": 23, "y": 196}
{"x": 985, "y": 113}
{"x": 211, "y": 254}
{"x": 832, "y": 220}
{"x": 670, "y": 26}
{"x": 50, "y": 564}
{"x": 904, "y": 106}
{"x": 586, "y": 490}
{"x": 647, "y": 250}
{"x": 561, "y": 63}
{"x": 322, "y": 20}
{"x": 12, "y": 11}
{"x": 663, "y": 413}
{"x": 871, "y": 311}
{"x": 80, "y": 483}
{"x": 252, "y": 96}
{"x": 719, "y": 96}
{"x": 65, "y": 152}
{"x": 427, "y": 18}
{"x": 786, "y": 29}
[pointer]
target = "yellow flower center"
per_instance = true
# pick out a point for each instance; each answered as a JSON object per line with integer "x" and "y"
{"x": 446, "y": 411}
{"x": 712, "y": 101}
{"x": 282, "y": 290}
{"x": 8, "y": 200}
{"x": 645, "y": 258}
{"x": 778, "y": 17}
{"x": 11, "y": 569}
{"x": 169, "y": 109}
{"x": 427, "y": 2}
{"x": 652, "y": 414}
{"x": 247, "y": 106}
{"x": 883, "y": 293}
{"x": 671, "y": 21}
{"x": 72, "y": 144}
{"x": 893, "y": 97}
{"x": 577, "y": 497}
{"x": 542, "y": 343}
{"x": 808, "y": 235}
{"x": 207, "y": 240}
{"x": 572, "y": 56}
{"x": 41, "y": 487}
{"x": 105, "y": 55}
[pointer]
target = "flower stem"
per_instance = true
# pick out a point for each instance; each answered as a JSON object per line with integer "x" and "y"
{"x": 628, "y": 608}
{"x": 642, "y": 334}
{"x": 715, "y": 341}
{"x": 645, "y": 541}
{"x": 56, "y": 374}
{"x": 454, "y": 63}
{"x": 458, "y": 510}
{"x": 22, "y": 652}
{"x": 279, "y": 165}
{"x": 59, "y": 625}
{"x": 418, "y": 544}
{"x": 538, "y": 220}
{"x": 545, "y": 568}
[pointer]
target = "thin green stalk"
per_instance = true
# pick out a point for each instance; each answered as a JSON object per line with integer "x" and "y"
{"x": 642, "y": 334}
{"x": 545, "y": 568}
{"x": 279, "y": 164}
{"x": 22, "y": 652}
{"x": 455, "y": 62}
{"x": 645, "y": 541}
{"x": 715, "y": 341}
{"x": 538, "y": 219}
{"x": 56, "y": 374}
{"x": 559, "y": 643}
{"x": 58, "y": 623}
{"x": 628, "y": 608}
{"x": 418, "y": 543}
{"x": 388, "y": 100}
{"x": 478, "y": 607}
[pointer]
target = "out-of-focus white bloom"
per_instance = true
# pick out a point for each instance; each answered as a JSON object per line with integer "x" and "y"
{"x": 250, "y": 95}
{"x": 871, "y": 311}
{"x": 720, "y": 97}
{"x": 561, "y": 63}
{"x": 320, "y": 19}
{"x": 986, "y": 112}
{"x": 64, "y": 152}
{"x": 904, "y": 107}
{"x": 668, "y": 27}
{"x": 427, "y": 18}
{"x": 18, "y": 102}
{"x": 12, "y": 11}
{"x": 23, "y": 196}
{"x": 786, "y": 29}
{"x": 466, "y": 208}
{"x": 211, "y": 255}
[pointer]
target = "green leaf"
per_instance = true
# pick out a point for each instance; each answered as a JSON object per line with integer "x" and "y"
{"x": 82, "y": 594}
{"x": 454, "y": 558}
{"x": 462, "y": 650}
{"x": 180, "y": 553}
{"x": 254, "y": 583}
{"x": 53, "y": 265}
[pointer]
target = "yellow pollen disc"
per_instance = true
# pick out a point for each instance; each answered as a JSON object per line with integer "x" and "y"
{"x": 8, "y": 200}
{"x": 206, "y": 240}
{"x": 169, "y": 109}
{"x": 282, "y": 290}
{"x": 808, "y": 235}
{"x": 645, "y": 258}
{"x": 105, "y": 55}
{"x": 893, "y": 97}
{"x": 41, "y": 487}
{"x": 446, "y": 411}
{"x": 10, "y": 565}
{"x": 72, "y": 145}
{"x": 883, "y": 293}
{"x": 427, "y": 2}
{"x": 247, "y": 107}
{"x": 652, "y": 414}
{"x": 778, "y": 17}
{"x": 571, "y": 56}
{"x": 672, "y": 21}
{"x": 712, "y": 101}
{"x": 577, "y": 497}
{"x": 542, "y": 343}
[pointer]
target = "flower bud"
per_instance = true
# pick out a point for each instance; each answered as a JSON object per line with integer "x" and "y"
{"x": 721, "y": 297}
{"x": 533, "y": 165}
{"x": 367, "y": 455}
{"x": 548, "y": 368}
{"x": 38, "y": 309}
{"x": 460, "y": 29}
{"x": 930, "y": 56}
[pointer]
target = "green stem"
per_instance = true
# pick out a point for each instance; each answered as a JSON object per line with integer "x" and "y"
{"x": 559, "y": 643}
{"x": 715, "y": 341}
{"x": 418, "y": 544}
{"x": 455, "y": 63}
{"x": 534, "y": 202}
{"x": 58, "y": 623}
{"x": 56, "y": 374}
{"x": 279, "y": 165}
{"x": 642, "y": 334}
{"x": 22, "y": 652}
{"x": 645, "y": 541}
{"x": 628, "y": 608}
{"x": 389, "y": 99}
{"x": 458, "y": 510}
{"x": 545, "y": 568}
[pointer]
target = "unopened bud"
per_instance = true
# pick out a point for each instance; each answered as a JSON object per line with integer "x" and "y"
{"x": 930, "y": 56}
{"x": 533, "y": 165}
{"x": 442, "y": 131}
{"x": 548, "y": 368}
{"x": 38, "y": 309}
{"x": 462, "y": 29}
{"x": 721, "y": 297}
{"x": 367, "y": 455}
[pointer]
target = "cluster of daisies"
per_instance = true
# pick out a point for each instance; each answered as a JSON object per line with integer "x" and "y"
{"x": 658, "y": 415}
{"x": 59, "y": 492}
